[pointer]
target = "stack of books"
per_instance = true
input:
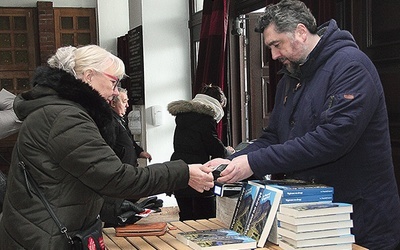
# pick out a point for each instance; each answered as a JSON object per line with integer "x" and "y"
{"x": 296, "y": 192}
{"x": 250, "y": 226}
{"x": 316, "y": 226}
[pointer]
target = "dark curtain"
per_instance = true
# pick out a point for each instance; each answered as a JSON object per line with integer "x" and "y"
{"x": 211, "y": 66}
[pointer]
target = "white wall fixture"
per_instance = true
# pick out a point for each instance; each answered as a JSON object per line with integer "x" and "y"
{"x": 156, "y": 115}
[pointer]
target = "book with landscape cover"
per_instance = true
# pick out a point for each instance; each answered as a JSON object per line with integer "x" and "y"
{"x": 286, "y": 246}
{"x": 343, "y": 239}
{"x": 223, "y": 242}
{"x": 245, "y": 202}
{"x": 216, "y": 239}
{"x": 312, "y": 219}
{"x": 185, "y": 237}
{"x": 316, "y": 226}
{"x": 315, "y": 209}
{"x": 262, "y": 214}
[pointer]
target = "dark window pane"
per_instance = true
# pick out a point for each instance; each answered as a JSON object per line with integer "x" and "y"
{"x": 67, "y": 39}
{"x": 4, "y": 23}
{"x": 19, "y": 23}
{"x": 5, "y": 41}
{"x": 7, "y": 84}
{"x": 5, "y": 58}
{"x": 21, "y": 56}
{"x": 83, "y": 23}
{"x": 83, "y": 38}
{"x": 23, "y": 84}
{"x": 67, "y": 23}
{"x": 20, "y": 41}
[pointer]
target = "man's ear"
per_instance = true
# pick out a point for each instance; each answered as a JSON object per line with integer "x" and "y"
{"x": 301, "y": 31}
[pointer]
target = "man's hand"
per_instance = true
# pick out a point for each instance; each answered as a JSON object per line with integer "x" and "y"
{"x": 200, "y": 177}
{"x": 212, "y": 164}
{"x": 146, "y": 155}
{"x": 238, "y": 169}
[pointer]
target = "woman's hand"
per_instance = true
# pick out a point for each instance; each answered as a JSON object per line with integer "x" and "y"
{"x": 200, "y": 177}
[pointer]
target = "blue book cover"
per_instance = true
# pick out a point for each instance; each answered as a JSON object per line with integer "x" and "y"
{"x": 263, "y": 214}
{"x": 245, "y": 202}
{"x": 296, "y": 188}
{"x": 307, "y": 198}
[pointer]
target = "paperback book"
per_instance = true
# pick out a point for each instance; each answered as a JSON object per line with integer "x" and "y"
{"x": 312, "y": 219}
{"x": 186, "y": 237}
{"x": 247, "y": 199}
{"x": 225, "y": 242}
{"x": 307, "y": 198}
{"x": 315, "y": 209}
{"x": 343, "y": 239}
{"x": 286, "y": 246}
{"x": 317, "y": 226}
{"x": 313, "y": 234}
{"x": 298, "y": 188}
{"x": 262, "y": 215}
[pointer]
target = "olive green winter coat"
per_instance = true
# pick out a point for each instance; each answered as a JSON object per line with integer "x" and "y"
{"x": 67, "y": 127}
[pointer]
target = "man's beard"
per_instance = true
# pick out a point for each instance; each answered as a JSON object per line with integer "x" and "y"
{"x": 292, "y": 67}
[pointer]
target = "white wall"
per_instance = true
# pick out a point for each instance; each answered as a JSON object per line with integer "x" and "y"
{"x": 167, "y": 68}
{"x": 167, "y": 65}
{"x": 112, "y": 22}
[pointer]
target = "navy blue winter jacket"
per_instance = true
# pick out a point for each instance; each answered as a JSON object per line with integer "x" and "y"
{"x": 333, "y": 129}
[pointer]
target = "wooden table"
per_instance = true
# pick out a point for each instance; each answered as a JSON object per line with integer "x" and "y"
{"x": 168, "y": 241}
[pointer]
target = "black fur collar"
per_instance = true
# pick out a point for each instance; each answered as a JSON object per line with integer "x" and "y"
{"x": 70, "y": 88}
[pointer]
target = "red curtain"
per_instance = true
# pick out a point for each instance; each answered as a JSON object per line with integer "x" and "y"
{"x": 211, "y": 66}
{"x": 212, "y": 49}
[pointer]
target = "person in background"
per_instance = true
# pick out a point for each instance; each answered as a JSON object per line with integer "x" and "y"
{"x": 64, "y": 140}
{"x": 117, "y": 211}
{"x": 329, "y": 123}
{"x": 125, "y": 147}
{"x": 196, "y": 140}
{"x": 9, "y": 125}
{"x": 9, "y": 122}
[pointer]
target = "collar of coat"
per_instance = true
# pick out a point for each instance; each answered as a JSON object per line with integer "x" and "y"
{"x": 68, "y": 87}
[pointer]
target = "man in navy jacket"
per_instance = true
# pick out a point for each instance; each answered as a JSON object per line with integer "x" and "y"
{"x": 329, "y": 124}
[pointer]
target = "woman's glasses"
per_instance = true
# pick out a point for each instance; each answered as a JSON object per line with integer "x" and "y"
{"x": 115, "y": 80}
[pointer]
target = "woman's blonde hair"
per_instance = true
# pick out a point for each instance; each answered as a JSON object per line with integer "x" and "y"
{"x": 77, "y": 60}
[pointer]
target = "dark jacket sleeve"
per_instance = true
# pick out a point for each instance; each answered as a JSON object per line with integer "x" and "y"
{"x": 103, "y": 171}
{"x": 213, "y": 145}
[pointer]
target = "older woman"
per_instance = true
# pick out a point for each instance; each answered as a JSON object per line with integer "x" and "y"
{"x": 67, "y": 127}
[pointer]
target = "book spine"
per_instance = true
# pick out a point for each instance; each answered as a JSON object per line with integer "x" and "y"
{"x": 306, "y": 198}
{"x": 307, "y": 191}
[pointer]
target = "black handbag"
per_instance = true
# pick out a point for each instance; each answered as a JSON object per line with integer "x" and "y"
{"x": 89, "y": 239}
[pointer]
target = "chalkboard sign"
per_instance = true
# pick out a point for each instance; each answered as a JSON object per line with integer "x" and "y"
{"x": 136, "y": 69}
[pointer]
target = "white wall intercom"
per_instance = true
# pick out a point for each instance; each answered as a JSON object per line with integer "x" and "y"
{"x": 156, "y": 115}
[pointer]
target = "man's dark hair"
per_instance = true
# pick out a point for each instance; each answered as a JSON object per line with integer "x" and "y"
{"x": 286, "y": 15}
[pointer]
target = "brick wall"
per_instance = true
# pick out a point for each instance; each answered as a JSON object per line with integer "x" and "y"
{"x": 47, "y": 43}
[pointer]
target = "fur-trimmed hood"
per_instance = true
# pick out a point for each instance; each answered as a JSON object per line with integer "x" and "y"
{"x": 202, "y": 104}
{"x": 51, "y": 86}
